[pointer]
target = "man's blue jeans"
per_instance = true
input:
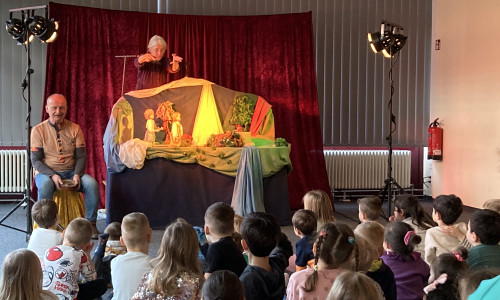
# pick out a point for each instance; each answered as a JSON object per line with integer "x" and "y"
{"x": 88, "y": 186}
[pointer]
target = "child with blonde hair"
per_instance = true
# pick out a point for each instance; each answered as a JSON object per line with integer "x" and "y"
{"x": 63, "y": 265}
{"x": 373, "y": 233}
{"x": 319, "y": 202}
{"x": 176, "y": 273}
{"x": 128, "y": 269}
{"x": 410, "y": 271}
{"x": 22, "y": 277}
{"x": 353, "y": 286}
{"x": 492, "y": 204}
{"x": 335, "y": 245}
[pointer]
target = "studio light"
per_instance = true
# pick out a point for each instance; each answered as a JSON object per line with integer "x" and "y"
{"x": 17, "y": 30}
{"x": 388, "y": 41}
{"x": 44, "y": 29}
{"x": 24, "y": 30}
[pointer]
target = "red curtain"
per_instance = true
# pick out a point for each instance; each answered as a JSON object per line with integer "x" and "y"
{"x": 271, "y": 56}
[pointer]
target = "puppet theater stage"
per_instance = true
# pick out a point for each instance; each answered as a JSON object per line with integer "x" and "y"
{"x": 166, "y": 181}
{"x": 271, "y": 56}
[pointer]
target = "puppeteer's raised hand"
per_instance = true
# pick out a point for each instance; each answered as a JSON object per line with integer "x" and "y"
{"x": 57, "y": 181}
{"x": 176, "y": 58}
{"x": 146, "y": 58}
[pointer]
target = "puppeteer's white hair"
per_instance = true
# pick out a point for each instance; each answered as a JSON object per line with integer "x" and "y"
{"x": 157, "y": 40}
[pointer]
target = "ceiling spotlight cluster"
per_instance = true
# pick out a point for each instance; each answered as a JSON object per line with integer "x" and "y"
{"x": 389, "y": 40}
{"x": 24, "y": 30}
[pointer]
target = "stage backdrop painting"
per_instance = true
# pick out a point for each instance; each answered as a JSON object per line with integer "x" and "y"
{"x": 271, "y": 56}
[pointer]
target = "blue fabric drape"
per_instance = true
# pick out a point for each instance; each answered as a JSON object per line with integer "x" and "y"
{"x": 248, "y": 194}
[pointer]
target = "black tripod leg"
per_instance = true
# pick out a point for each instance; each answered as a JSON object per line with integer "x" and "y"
{"x": 25, "y": 200}
{"x": 384, "y": 191}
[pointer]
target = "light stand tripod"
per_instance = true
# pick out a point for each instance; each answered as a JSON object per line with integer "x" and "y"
{"x": 389, "y": 41}
{"x": 26, "y": 202}
{"x": 390, "y": 181}
{"x": 23, "y": 31}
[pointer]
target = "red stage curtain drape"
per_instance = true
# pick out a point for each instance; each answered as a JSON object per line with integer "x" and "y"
{"x": 271, "y": 56}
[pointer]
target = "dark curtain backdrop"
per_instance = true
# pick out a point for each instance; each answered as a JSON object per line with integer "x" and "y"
{"x": 271, "y": 56}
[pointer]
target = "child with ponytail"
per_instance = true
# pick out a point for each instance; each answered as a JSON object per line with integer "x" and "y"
{"x": 446, "y": 269}
{"x": 334, "y": 246}
{"x": 410, "y": 271}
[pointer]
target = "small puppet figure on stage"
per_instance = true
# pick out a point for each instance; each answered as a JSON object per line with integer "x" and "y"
{"x": 151, "y": 128}
{"x": 165, "y": 111}
{"x": 177, "y": 130}
{"x": 152, "y": 67}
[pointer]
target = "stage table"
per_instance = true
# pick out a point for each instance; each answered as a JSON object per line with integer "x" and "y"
{"x": 185, "y": 181}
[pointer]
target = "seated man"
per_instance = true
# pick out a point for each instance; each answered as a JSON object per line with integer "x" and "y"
{"x": 58, "y": 152}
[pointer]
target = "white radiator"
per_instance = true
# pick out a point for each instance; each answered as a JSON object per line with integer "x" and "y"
{"x": 366, "y": 169}
{"x": 12, "y": 171}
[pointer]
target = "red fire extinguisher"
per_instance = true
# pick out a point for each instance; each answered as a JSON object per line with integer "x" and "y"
{"x": 435, "y": 141}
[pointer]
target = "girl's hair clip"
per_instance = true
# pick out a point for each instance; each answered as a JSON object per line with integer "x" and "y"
{"x": 458, "y": 256}
{"x": 323, "y": 234}
{"x": 351, "y": 240}
{"x": 408, "y": 236}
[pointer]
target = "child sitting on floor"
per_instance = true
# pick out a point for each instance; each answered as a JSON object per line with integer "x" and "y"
{"x": 410, "y": 271}
{"x": 319, "y": 202}
{"x": 22, "y": 277}
{"x": 445, "y": 212}
{"x": 63, "y": 265}
{"x": 484, "y": 234}
{"x": 407, "y": 209}
{"x": 373, "y": 232}
{"x": 223, "y": 285}
{"x": 334, "y": 246}
{"x": 46, "y": 236}
{"x": 128, "y": 269}
{"x": 264, "y": 278}
{"x": 113, "y": 245}
{"x": 445, "y": 271}
{"x": 176, "y": 273}
{"x": 370, "y": 209}
{"x": 304, "y": 226}
{"x": 222, "y": 253}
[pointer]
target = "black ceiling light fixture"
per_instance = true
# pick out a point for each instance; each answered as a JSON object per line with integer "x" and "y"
{"x": 388, "y": 41}
{"x": 29, "y": 26}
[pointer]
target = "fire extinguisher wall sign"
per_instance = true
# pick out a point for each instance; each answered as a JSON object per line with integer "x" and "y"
{"x": 435, "y": 141}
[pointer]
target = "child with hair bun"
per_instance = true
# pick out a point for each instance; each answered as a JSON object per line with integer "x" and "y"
{"x": 334, "y": 246}
{"x": 319, "y": 202}
{"x": 445, "y": 271}
{"x": 410, "y": 271}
